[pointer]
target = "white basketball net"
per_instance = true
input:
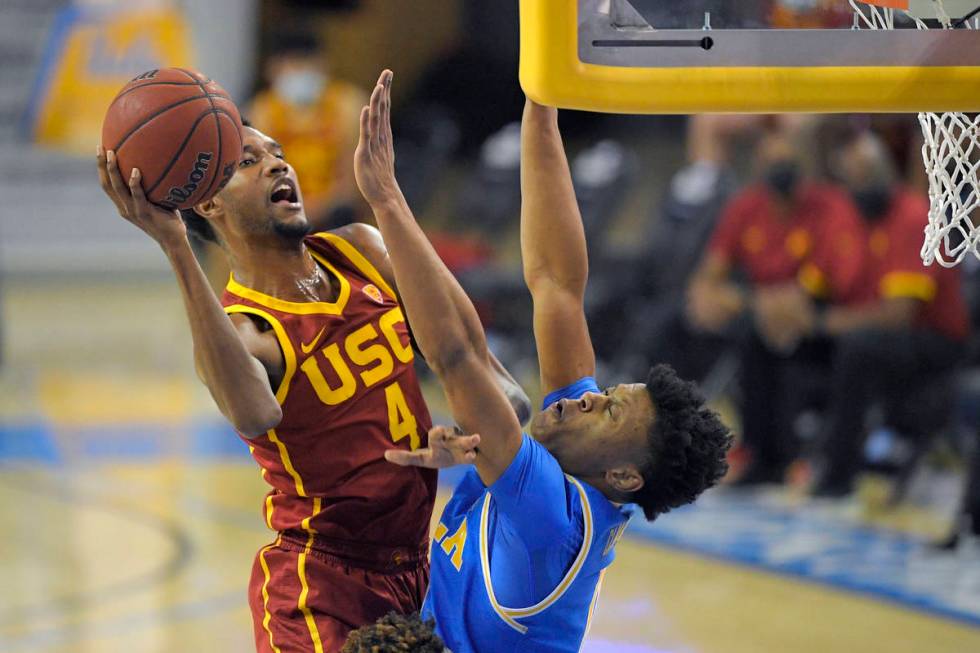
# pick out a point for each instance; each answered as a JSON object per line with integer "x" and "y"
{"x": 951, "y": 152}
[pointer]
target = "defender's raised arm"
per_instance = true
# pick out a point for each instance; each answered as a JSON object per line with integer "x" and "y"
{"x": 556, "y": 263}
{"x": 443, "y": 319}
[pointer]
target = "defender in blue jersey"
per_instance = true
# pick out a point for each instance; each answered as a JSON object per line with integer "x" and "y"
{"x": 518, "y": 554}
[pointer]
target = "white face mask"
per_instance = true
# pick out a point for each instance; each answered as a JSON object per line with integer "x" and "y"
{"x": 302, "y": 87}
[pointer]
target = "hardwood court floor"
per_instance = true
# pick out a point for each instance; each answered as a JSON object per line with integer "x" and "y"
{"x": 127, "y": 527}
{"x": 154, "y": 556}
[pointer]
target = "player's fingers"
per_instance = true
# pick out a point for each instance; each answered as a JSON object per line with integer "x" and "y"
{"x": 104, "y": 179}
{"x": 415, "y": 458}
{"x": 440, "y": 433}
{"x": 386, "y": 76}
{"x": 115, "y": 179}
{"x": 365, "y": 127}
{"x": 136, "y": 190}
{"x": 103, "y": 173}
{"x": 376, "y": 97}
{"x": 466, "y": 442}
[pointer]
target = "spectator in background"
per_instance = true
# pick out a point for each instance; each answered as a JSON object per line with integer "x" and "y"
{"x": 796, "y": 242}
{"x": 908, "y": 329}
{"x": 694, "y": 199}
{"x": 315, "y": 117}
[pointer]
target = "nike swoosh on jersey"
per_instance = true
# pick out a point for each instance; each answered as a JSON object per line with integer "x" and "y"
{"x": 308, "y": 348}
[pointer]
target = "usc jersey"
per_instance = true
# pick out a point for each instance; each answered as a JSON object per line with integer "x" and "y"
{"x": 349, "y": 392}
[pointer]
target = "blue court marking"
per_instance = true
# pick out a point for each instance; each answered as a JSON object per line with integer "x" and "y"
{"x": 31, "y": 441}
{"x": 37, "y": 441}
{"x": 810, "y": 543}
{"x": 804, "y": 542}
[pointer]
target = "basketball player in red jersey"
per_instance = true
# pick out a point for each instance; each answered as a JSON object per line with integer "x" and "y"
{"x": 308, "y": 355}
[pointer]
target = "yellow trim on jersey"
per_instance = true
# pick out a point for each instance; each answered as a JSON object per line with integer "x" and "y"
{"x": 595, "y": 601}
{"x": 510, "y": 614}
{"x": 301, "y": 604}
{"x": 359, "y": 261}
{"x": 583, "y": 553}
{"x": 485, "y": 563}
{"x": 288, "y": 353}
{"x": 299, "y": 308}
{"x": 316, "y": 511}
{"x": 287, "y": 462}
{"x": 265, "y": 591}
{"x": 915, "y": 285}
{"x": 268, "y": 511}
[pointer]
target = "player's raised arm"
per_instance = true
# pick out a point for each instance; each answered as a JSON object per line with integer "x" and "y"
{"x": 443, "y": 319}
{"x": 369, "y": 242}
{"x": 556, "y": 264}
{"x": 231, "y": 368}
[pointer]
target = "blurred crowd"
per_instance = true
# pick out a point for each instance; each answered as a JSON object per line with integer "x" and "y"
{"x": 780, "y": 266}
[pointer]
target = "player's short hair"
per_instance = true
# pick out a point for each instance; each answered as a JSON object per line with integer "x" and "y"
{"x": 395, "y": 632}
{"x": 688, "y": 445}
{"x": 197, "y": 226}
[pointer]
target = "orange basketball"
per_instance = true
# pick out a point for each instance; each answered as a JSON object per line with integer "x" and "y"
{"x": 180, "y": 129}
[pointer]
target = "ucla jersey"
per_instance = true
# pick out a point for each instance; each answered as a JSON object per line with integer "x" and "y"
{"x": 517, "y": 566}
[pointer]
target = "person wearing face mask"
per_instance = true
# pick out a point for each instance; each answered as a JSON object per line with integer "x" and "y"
{"x": 908, "y": 328}
{"x": 315, "y": 117}
{"x": 794, "y": 242}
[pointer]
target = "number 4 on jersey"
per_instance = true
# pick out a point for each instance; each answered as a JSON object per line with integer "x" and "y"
{"x": 401, "y": 421}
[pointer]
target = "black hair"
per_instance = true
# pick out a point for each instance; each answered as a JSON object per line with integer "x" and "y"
{"x": 395, "y": 633}
{"x": 687, "y": 443}
{"x": 197, "y": 226}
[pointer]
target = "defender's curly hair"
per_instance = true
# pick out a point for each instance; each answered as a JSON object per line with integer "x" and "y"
{"x": 688, "y": 445}
{"x": 197, "y": 226}
{"x": 395, "y": 633}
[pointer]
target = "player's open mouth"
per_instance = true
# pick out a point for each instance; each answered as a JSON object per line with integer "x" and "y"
{"x": 284, "y": 194}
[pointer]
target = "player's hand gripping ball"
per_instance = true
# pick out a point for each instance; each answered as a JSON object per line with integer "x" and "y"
{"x": 181, "y": 129}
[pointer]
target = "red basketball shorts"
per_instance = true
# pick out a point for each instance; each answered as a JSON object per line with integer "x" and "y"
{"x": 306, "y": 593}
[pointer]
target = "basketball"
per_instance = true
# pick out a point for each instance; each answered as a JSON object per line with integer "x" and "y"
{"x": 181, "y": 129}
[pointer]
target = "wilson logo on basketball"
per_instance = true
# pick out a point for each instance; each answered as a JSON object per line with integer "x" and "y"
{"x": 177, "y": 194}
{"x": 372, "y": 291}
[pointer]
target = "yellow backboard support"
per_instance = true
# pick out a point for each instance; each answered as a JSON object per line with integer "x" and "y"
{"x": 552, "y": 72}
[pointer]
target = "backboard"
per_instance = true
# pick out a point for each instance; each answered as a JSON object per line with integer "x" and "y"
{"x": 665, "y": 56}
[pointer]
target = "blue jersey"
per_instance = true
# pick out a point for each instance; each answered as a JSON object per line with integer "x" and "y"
{"x": 517, "y": 566}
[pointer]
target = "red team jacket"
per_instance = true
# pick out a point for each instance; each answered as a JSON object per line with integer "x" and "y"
{"x": 348, "y": 394}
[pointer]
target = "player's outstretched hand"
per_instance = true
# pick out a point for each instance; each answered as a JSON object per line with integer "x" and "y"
{"x": 374, "y": 158}
{"x": 162, "y": 225}
{"x": 446, "y": 449}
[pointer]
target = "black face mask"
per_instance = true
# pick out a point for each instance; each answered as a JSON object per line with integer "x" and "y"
{"x": 873, "y": 201}
{"x": 783, "y": 177}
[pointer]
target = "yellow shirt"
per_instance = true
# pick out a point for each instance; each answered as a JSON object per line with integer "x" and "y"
{"x": 317, "y": 139}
